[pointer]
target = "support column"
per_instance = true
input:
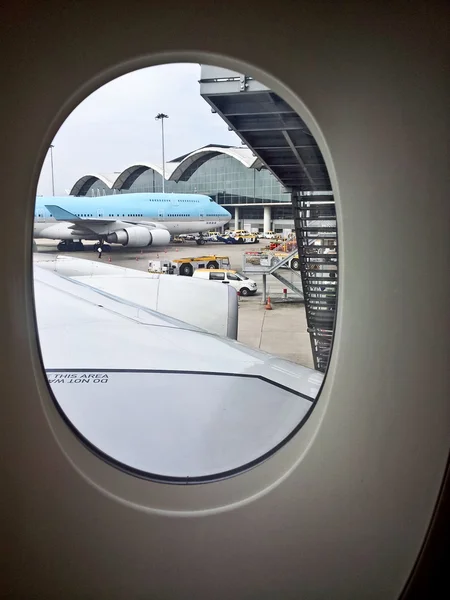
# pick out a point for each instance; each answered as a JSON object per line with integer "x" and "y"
{"x": 267, "y": 218}
{"x": 236, "y": 218}
{"x": 264, "y": 278}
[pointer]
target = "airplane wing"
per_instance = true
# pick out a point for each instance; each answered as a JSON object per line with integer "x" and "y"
{"x": 61, "y": 214}
{"x": 94, "y": 225}
{"x": 214, "y": 308}
{"x": 159, "y": 397}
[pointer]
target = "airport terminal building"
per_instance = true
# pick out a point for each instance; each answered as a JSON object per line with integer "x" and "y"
{"x": 232, "y": 176}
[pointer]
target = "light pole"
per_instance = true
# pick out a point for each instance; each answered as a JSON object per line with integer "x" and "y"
{"x": 161, "y": 117}
{"x": 53, "y": 172}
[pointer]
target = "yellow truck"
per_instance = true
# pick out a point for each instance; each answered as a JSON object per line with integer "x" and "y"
{"x": 187, "y": 265}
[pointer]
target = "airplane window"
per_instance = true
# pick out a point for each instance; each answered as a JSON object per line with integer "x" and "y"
{"x": 144, "y": 349}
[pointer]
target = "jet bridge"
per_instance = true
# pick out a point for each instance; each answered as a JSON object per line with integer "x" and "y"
{"x": 284, "y": 144}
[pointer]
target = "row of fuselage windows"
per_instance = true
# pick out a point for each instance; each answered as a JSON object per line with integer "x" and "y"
{"x": 164, "y": 200}
{"x": 134, "y": 215}
{"x": 140, "y": 215}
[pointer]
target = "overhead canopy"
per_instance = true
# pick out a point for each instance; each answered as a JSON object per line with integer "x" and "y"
{"x": 268, "y": 126}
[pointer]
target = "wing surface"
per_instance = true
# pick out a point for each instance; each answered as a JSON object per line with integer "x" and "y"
{"x": 158, "y": 396}
{"x": 97, "y": 226}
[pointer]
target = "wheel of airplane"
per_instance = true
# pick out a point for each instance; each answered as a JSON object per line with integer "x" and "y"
{"x": 186, "y": 270}
{"x": 213, "y": 264}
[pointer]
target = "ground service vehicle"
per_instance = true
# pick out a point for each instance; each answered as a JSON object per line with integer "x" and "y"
{"x": 242, "y": 238}
{"x": 187, "y": 266}
{"x": 212, "y": 235}
{"x": 294, "y": 261}
{"x": 238, "y": 232}
{"x": 241, "y": 283}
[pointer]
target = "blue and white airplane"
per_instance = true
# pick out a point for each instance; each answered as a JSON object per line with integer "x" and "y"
{"x": 135, "y": 220}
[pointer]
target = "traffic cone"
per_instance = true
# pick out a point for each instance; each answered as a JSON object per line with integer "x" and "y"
{"x": 268, "y": 304}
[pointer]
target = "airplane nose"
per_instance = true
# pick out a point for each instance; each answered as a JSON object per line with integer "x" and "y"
{"x": 226, "y": 214}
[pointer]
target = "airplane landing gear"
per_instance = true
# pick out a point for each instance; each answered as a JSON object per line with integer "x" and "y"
{"x": 105, "y": 247}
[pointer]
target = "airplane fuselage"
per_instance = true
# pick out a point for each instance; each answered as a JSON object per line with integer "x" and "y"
{"x": 177, "y": 213}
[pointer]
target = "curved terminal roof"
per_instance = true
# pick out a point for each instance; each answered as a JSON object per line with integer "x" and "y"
{"x": 81, "y": 187}
{"x": 198, "y": 157}
{"x": 179, "y": 169}
{"x": 129, "y": 175}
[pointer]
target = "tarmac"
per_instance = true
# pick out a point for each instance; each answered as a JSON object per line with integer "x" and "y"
{"x": 281, "y": 331}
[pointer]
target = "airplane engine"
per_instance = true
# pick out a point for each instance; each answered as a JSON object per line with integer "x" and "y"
{"x": 160, "y": 237}
{"x": 139, "y": 237}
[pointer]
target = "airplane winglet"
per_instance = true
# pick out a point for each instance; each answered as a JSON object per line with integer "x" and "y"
{"x": 60, "y": 214}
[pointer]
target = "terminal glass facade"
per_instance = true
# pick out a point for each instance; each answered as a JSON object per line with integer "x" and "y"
{"x": 224, "y": 178}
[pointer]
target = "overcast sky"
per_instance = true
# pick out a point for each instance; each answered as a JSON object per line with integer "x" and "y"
{"x": 115, "y": 127}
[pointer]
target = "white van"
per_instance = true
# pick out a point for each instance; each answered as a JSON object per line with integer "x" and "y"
{"x": 240, "y": 282}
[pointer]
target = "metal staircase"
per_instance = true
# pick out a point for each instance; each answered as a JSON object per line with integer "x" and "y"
{"x": 316, "y": 231}
{"x": 297, "y": 289}
{"x": 275, "y": 271}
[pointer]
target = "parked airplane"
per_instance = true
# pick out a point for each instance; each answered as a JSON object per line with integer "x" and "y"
{"x": 135, "y": 220}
